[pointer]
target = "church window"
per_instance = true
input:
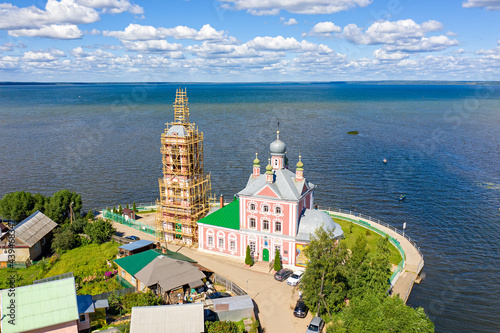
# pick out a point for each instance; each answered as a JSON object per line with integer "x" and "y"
{"x": 265, "y": 225}
{"x": 252, "y": 223}
{"x": 221, "y": 243}
{"x": 277, "y": 227}
{"x": 265, "y": 208}
{"x": 211, "y": 240}
{"x": 252, "y": 206}
{"x": 232, "y": 245}
{"x": 252, "y": 248}
{"x": 277, "y": 210}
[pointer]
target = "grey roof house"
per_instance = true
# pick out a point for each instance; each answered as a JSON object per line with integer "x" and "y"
{"x": 178, "y": 318}
{"x": 33, "y": 237}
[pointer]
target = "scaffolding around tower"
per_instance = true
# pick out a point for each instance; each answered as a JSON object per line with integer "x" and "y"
{"x": 184, "y": 188}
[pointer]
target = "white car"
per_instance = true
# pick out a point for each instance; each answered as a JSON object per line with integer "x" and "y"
{"x": 294, "y": 279}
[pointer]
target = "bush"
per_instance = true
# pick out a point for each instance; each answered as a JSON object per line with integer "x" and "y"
{"x": 248, "y": 258}
{"x": 100, "y": 231}
{"x": 78, "y": 225}
{"x": 64, "y": 240}
{"x": 277, "y": 261}
{"x": 221, "y": 327}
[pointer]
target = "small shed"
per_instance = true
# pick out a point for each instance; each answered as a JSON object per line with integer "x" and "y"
{"x": 135, "y": 247}
{"x": 234, "y": 308}
{"x": 179, "y": 318}
{"x": 85, "y": 308}
{"x": 128, "y": 213}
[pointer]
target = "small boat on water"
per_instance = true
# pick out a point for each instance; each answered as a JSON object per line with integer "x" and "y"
{"x": 402, "y": 197}
{"x": 385, "y": 160}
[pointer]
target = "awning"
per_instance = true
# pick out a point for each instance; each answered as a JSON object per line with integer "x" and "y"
{"x": 196, "y": 284}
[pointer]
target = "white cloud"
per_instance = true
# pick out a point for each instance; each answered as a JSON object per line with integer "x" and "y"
{"x": 43, "y": 56}
{"x": 10, "y": 46}
{"x": 383, "y": 55}
{"x": 325, "y": 29}
{"x": 273, "y": 7}
{"x": 56, "y": 12}
{"x": 403, "y": 35}
{"x": 50, "y": 31}
{"x": 9, "y": 62}
{"x": 113, "y": 6}
{"x": 291, "y": 21}
{"x": 280, "y": 43}
{"x": 487, "y": 4}
{"x": 145, "y": 32}
{"x": 151, "y": 46}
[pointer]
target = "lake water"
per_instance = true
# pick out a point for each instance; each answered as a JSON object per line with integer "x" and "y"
{"x": 442, "y": 143}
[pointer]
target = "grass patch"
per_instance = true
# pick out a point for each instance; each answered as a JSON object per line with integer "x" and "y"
{"x": 351, "y": 232}
{"x": 140, "y": 212}
{"x": 82, "y": 261}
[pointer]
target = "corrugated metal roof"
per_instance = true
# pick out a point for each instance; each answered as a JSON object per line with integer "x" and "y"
{"x": 101, "y": 303}
{"x": 134, "y": 263}
{"x": 168, "y": 273}
{"x": 41, "y": 305}
{"x": 34, "y": 228}
{"x": 179, "y": 318}
{"x": 136, "y": 245}
{"x": 285, "y": 185}
{"x": 312, "y": 219}
{"x": 85, "y": 304}
{"x": 232, "y": 303}
{"x": 226, "y": 217}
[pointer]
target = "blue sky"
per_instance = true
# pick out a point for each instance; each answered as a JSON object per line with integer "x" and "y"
{"x": 249, "y": 40}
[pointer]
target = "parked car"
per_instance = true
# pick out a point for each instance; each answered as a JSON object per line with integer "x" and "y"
{"x": 132, "y": 238}
{"x": 316, "y": 325}
{"x": 294, "y": 279}
{"x": 301, "y": 309}
{"x": 217, "y": 294}
{"x": 282, "y": 274}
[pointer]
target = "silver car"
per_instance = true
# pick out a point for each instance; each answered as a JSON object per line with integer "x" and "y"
{"x": 316, "y": 325}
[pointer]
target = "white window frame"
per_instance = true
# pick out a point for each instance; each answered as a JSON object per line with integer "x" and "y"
{"x": 232, "y": 244}
{"x": 80, "y": 318}
{"x": 278, "y": 246}
{"x": 275, "y": 226}
{"x": 133, "y": 280}
{"x": 252, "y": 207}
{"x": 123, "y": 273}
{"x": 265, "y": 208}
{"x": 278, "y": 208}
{"x": 254, "y": 222}
{"x": 219, "y": 239}
{"x": 253, "y": 247}
{"x": 210, "y": 240}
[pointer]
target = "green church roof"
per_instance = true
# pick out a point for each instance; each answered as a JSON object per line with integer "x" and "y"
{"x": 226, "y": 217}
{"x": 136, "y": 262}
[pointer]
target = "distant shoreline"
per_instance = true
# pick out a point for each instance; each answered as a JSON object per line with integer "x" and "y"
{"x": 388, "y": 82}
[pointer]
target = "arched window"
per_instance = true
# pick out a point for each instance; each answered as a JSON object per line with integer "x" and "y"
{"x": 210, "y": 241}
{"x": 265, "y": 208}
{"x": 252, "y": 206}
{"x": 277, "y": 226}
{"x": 252, "y": 223}
{"x": 277, "y": 210}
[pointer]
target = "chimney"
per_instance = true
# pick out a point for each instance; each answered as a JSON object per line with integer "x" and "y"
{"x": 221, "y": 200}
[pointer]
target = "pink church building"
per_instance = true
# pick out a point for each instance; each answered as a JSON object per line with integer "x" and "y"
{"x": 274, "y": 211}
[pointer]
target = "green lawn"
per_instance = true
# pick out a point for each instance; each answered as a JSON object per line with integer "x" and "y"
{"x": 351, "y": 232}
{"x": 83, "y": 262}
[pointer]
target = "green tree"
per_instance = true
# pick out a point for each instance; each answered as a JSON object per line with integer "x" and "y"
{"x": 277, "y": 261}
{"x": 327, "y": 257}
{"x": 17, "y": 206}
{"x": 64, "y": 240}
{"x": 58, "y": 206}
{"x": 90, "y": 216}
{"x": 127, "y": 206}
{"x": 221, "y": 327}
{"x": 134, "y": 207}
{"x": 99, "y": 231}
{"x": 79, "y": 225}
{"x": 140, "y": 299}
{"x": 120, "y": 210}
{"x": 248, "y": 257}
{"x": 358, "y": 267}
{"x": 375, "y": 312}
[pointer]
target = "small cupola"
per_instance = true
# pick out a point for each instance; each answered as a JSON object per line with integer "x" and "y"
{"x": 269, "y": 172}
{"x": 256, "y": 166}
{"x": 299, "y": 172}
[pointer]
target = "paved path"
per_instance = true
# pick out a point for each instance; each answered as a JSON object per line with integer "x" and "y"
{"x": 413, "y": 261}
